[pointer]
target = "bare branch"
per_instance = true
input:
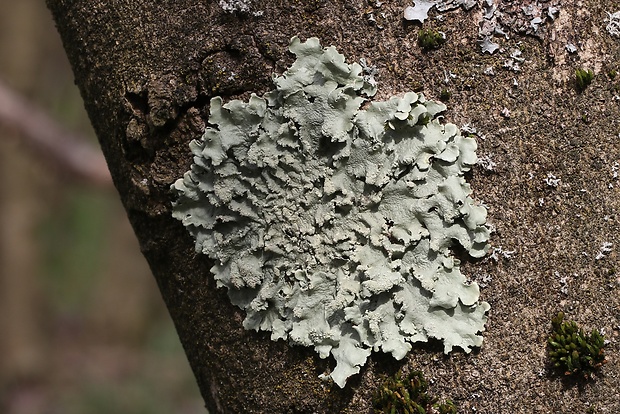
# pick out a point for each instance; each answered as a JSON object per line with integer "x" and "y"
{"x": 65, "y": 151}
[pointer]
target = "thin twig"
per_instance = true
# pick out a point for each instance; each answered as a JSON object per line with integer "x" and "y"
{"x": 66, "y": 151}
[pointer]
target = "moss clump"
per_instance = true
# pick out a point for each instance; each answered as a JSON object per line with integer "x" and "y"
{"x": 429, "y": 39}
{"x": 583, "y": 78}
{"x": 445, "y": 95}
{"x": 572, "y": 351}
{"x": 409, "y": 396}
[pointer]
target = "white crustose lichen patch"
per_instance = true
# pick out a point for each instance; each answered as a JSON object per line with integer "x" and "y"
{"x": 331, "y": 226}
{"x": 613, "y": 23}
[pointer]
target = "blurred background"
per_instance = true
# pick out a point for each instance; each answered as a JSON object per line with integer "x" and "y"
{"x": 83, "y": 328}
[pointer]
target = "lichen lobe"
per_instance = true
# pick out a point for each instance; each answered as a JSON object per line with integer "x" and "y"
{"x": 331, "y": 226}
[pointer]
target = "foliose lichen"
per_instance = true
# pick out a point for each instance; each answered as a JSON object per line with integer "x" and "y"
{"x": 331, "y": 225}
{"x": 419, "y": 11}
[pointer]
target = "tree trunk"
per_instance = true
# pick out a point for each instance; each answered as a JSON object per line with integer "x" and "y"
{"x": 146, "y": 71}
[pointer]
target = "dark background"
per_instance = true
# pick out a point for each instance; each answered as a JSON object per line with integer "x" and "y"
{"x": 84, "y": 329}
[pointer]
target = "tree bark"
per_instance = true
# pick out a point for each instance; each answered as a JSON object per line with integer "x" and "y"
{"x": 146, "y": 71}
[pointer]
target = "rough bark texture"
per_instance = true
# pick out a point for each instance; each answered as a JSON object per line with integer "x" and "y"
{"x": 147, "y": 69}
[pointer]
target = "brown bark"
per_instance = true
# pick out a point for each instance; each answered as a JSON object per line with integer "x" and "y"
{"x": 146, "y": 71}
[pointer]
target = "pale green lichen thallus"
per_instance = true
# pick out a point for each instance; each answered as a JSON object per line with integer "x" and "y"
{"x": 331, "y": 226}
